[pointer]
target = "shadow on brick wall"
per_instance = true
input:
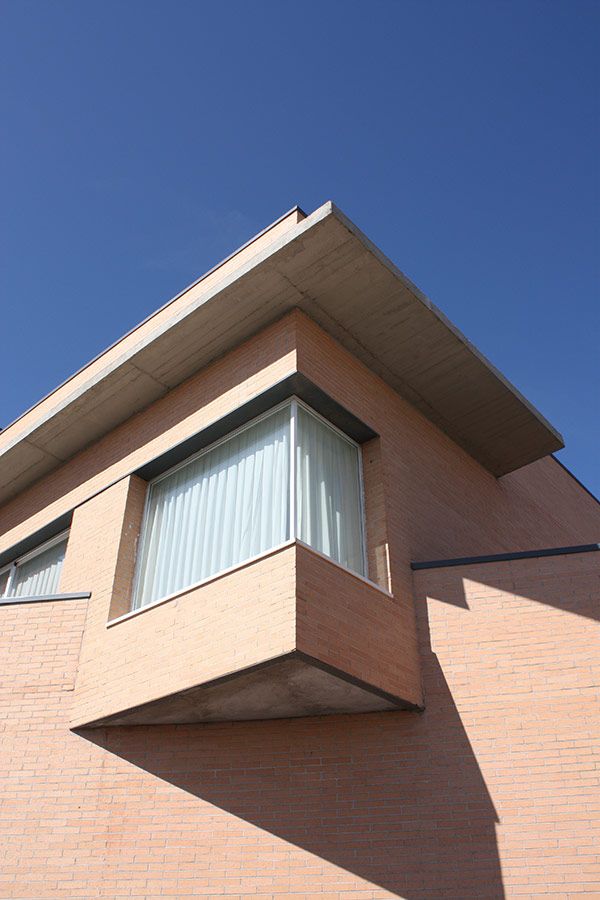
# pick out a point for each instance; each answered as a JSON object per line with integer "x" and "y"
{"x": 570, "y": 583}
{"x": 396, "y": 799}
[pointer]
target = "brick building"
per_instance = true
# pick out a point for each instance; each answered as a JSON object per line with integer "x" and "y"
{"x": 296, "y": 602}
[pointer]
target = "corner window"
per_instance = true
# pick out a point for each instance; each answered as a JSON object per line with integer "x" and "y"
{"x": 36, "y": 574}
{"x": 288, "y": 474}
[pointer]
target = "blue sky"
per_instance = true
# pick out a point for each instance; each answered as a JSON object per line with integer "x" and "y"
{"x": 143, "y": 141}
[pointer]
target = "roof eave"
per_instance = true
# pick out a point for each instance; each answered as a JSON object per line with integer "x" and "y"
{"x": 325, "y": 265}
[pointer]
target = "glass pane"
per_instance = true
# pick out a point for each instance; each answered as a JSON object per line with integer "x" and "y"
{"x": 329, "y": 516}
{"x": 3, "y": 582}
{"x": 227, "y": 505}
{"x": 40, "y": 575}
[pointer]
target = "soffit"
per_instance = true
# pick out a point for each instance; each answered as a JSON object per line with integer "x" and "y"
{"x": 325, "y": 266}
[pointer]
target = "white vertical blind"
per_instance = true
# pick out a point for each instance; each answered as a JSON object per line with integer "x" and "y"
{"x": 287, "y": 475}
{"x": 38, "y": 575}
{"x": 226, "y": 505}
{"x": 328, "y": 491}
{"x": 3, "y": 583}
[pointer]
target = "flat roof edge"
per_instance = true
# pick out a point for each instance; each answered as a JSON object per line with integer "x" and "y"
{"x": 133, "y": 351}
{"x": 231, "y": 256}
{"x": 424, "y": 299}
{"x": 270, "y": 249}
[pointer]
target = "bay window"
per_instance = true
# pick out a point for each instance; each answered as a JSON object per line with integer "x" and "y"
{"x": 37, "y": 573}
{"x": 287, "y": 475}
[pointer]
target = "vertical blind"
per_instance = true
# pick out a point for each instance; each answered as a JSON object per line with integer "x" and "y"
{"x": 328, "y": 506}
{"x": 227, "y": 505}
{"x": 36, "y": 576}
{"x": 232, "y": 502}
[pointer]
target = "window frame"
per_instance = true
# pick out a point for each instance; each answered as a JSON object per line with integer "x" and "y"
{"x": 293, "y": 402}
{"x": 12, "y": 566}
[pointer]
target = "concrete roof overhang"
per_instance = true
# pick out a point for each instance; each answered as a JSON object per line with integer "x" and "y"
{"x": 324, "y": 265}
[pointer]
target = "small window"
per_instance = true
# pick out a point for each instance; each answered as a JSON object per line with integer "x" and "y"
{"x": 288, "y": 474}
{"x": 37, "y": 573}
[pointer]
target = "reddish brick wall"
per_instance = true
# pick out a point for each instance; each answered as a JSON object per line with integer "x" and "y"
{"x": 491, "y": 792}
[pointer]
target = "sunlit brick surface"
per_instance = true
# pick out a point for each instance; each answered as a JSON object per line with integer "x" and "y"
{"x": 490, "y": 792}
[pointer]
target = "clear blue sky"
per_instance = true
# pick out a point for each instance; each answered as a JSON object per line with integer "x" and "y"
{"x": 143, "y": 141}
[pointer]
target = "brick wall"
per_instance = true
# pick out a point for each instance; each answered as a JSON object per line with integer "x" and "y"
{"x": 440, "y": 501}
{"x": 487, "y": 793}
{"x": 491, "y": 792}
{"x": 232, "y": 622}
{"x": 215, "y": 391}
{"x": 355, "y": 627}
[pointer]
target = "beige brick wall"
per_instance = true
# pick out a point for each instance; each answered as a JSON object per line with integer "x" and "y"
{"x": 491, "y": 792}
{"x": 440, "y": 501}
{"x": 231, "y": 622}
{"x": 516, "y": 645}
{"x": 357, "y": 628}
{"x": 199, "y": 401}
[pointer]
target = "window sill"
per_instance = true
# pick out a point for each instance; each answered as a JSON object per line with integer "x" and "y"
{"x": 348, "y": 571}
{"x": 44, "y": 598}
{"x": 192, "y": 587}
{"x": 247, "y": 562}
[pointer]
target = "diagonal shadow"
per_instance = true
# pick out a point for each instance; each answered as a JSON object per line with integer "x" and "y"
{"x": 396, "y": 798}
{"x": 570, "y": 583}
